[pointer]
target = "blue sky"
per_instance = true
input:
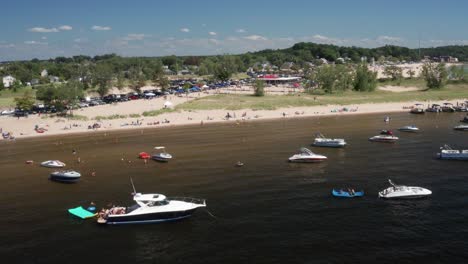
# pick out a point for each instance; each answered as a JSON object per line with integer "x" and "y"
{"x": 47, "y": 28}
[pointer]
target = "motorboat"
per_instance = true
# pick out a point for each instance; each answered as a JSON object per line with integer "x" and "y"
{"x": 463, "y": 107}
{"x": 151, "y": 208}
{"x": 410, "y": 128}
{"x": 306, "y": 156}
{"x": 403, "y": 192}
{"x": 67, "y": 176}
{"x": 348, "y": 193}
{"x": 448, "y": 107}
{"x": 144, "y": 155}
{"x": 447, "y": 153}
{"x": 322, "y": 141}
{"x": 239, "y": 164}
{"x": 435, "y": 108}
{"x": 162, "y": 156}
{"x": 417, "y": 109}
{"x": 387, "y": 119}
{"x": 461, "y": 127}
{"x": 53, "y": 164}
{"x": 385, "y": 136}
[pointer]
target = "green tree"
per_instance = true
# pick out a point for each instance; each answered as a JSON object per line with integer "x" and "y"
{"x": 364, "y": 80}
{"x": 435, "y": 75}
{"x": 102, "y": 78}
{"x": 164, "y": 83}
{"x": 456, "y": 72}
{"x": 411, "y": 73}
{"x": 394, "y": 72}
{"x": 26, "y": 102}
{"x": 15, "y": 86}
{"x": 259, "y": 88}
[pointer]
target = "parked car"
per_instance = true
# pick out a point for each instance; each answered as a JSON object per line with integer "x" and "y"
{"x": 20, "y": 113}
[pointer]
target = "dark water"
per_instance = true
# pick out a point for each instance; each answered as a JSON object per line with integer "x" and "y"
{"x": 269, "y": 211}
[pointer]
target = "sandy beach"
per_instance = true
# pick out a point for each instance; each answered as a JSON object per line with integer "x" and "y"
{"x": 25, "y": 126}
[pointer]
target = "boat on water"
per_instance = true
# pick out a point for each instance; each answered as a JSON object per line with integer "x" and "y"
{"x": 322, "y": 141}
{"x": 348, "y": 193}
{"x": 435, "y": 108}
{"x": 144, "y": 155}
{"x": 53, "y": 164}
{"x": 161, "y": 156}
{"x": 306, "y": 156}
{"x": 461, "y": 127}
{"x": 67, "y": 176}
{"x": 410, "y": 128}
{"x": 448, "y": 107}
{"x": 384, "y": 136}
{"x": 403, "y": 192}
{"x": 417, "y": 109}
{"x": 448, "y": 153}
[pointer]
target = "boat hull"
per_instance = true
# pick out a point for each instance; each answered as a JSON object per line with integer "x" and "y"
{"x": 158, "y": 217}
{"x": 64, "y": 179}
{"x": 307, "y": 160}
{"x": 329, "y": 145}
{"x": 344, "y": 194}
{"x": 406, "y": 197}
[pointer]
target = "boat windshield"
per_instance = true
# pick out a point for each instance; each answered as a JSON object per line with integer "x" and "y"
{"x": 156, "y": 203}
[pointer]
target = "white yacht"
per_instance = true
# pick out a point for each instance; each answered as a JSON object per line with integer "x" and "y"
{"x": 53, "y": 164}
{"x": 322, "y": 141}
{"x": 461, "y": 127}
{"x": 68, "y": 176}
{"x": 403, "y": 192}
{"x": 385, "y": 136}
{"x": 151, "y": 208}
{"x": 446, "y": 152}
{"x": 162, "y": 156}
{"x": 306, "y": 156}
{"x": 411, "y": 128}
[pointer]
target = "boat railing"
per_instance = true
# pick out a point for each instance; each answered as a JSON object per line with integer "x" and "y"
{"x": 188, "y": 200}
{"x": 447, "y": 147}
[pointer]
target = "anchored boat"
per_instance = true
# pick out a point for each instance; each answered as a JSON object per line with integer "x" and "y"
{"x": 348, "y": 193}
{"x": 403, "y": 192}
{"x": 53, "y": 164}
{"x": 162, "y": 156}
{"x": 447, "y": 153}
{"x": 306, "y": 156}
{"x": 385, "y": 136}
{"x": 322, "y": 141}
{"x": 461, "y": 127}
{"x": 67, "y": 176}
{"x": 411, "y": 128}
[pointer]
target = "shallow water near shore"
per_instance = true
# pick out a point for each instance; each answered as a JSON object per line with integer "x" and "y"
{"x": 268, "y": 211}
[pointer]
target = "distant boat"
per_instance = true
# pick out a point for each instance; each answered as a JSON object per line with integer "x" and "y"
{"x": 447, "y": 153}
{"x": 347, "y": 193}
{"x": 68, "y": 176}
{"x": 461, "y": 127}
{"x": 306, "y": 156}
{"x": 53, "y": 164}
{"x": 144, "y": 155}
{"x": 417, "y": 109}
{"x": 403, "y": 192}
{"x": 385, "y": 136}
{"x": 448, "y": 107}
{"x": 322, "y": 141}
{"x": 435, "y": 108}
{"x": 410, "y": 128}
{"x": 162, "y": 156}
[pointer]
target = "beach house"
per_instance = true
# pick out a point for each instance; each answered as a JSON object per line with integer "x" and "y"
{"x": 8, "y": 81}
{"x": 44, "y": 73}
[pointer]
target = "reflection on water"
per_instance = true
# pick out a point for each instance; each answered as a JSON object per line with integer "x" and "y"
{"x": 267, "y": 211}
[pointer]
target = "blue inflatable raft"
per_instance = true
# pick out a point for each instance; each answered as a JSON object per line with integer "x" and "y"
{"x": 347, "y": 194}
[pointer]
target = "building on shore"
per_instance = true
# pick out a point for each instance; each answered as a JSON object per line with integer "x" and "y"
{"x": 8, "y": 81}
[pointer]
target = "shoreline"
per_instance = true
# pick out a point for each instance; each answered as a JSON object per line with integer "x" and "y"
{"x": 192, "y": 118}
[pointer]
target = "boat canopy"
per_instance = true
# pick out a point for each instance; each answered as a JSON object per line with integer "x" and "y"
{"x": 151, "y": 197}
{"x": 306, "y": 151}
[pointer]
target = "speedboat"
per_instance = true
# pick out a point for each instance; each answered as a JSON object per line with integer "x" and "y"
{"x": 151, "y": 208}
{"x": 348, "y": 193}
{"x": 68, "y": 176}
{"x": 385, "y": 136}
{"x": 461, "y": 127}
{"x": 53, "y": 164}
{"x": 403, "y": 192}
{"x": 417, "y": 109}
{"x": 447, "y": 153}
{"x": 306, "y": 156}
{"x": 322, "y": 141}
{"x": 144, "y": 155}
{"x": 411, "y": 128}
{"x": 161, "y": 156}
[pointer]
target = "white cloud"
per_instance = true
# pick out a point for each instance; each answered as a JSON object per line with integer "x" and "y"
{"x": 184, "y": 30}
{"x": 388, "y": 40}
{"x": 241, "y": 30}
{"x": 101, "y": 28}
{"x": 255, "y": 37}
{"x": 130, "y": 37}
{"x": 33, "y": 42}
{"x": 43, "y": 30}
{"x": 212, "y": 33}
{"x": 65, "y": 28}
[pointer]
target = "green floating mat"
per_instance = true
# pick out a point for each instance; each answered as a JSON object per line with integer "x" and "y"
{"x": 81, "y": 212}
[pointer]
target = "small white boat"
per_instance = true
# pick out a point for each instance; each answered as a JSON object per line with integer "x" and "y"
{"x": 461, "y": 127}
{"x": 385, "y": 136}
{"x": 68, "y": 176}
{"x": 447, "y": 153}
{"x": 403, "y": 192}
{"x": 409, "y": 129}
{"x": 161, "y": 156}
{"x": 322, "y": 141}
{"x": 53, "y": 164}
{"x": 306, "y": 156}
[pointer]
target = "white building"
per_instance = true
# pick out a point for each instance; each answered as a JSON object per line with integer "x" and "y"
{"x": 44, "y": 73}
{"x": 8, "y": 81}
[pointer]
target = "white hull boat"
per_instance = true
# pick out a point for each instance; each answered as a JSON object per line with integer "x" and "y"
{"x": 53, "y": 164}
{"x": 384, "y": 138}
{"x": 404, "y": 192}
{"x": 306, "y": 156}
{"x": 162, "y": 156}
{"x": 447, "y": 153}
{"x": 322, "y": 141}
{"x": 68, "y": 176}
{"x": 409, "y": 129}
{"x": 461, "y": 127}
